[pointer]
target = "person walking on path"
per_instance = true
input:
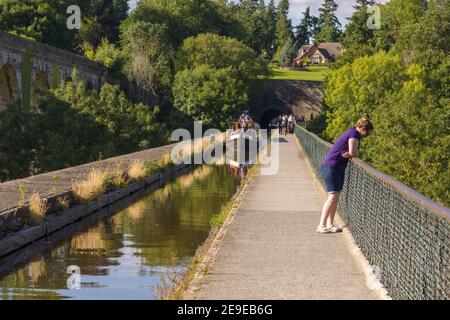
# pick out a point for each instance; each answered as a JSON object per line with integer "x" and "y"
{"x": 279, "y": 123}
{"x": 284, "y": 124}
{"x": 333, "y": 170}
{"x": 291, "y": 123}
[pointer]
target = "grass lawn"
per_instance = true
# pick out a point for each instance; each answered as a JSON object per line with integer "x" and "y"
{"x": 312, "y": 74}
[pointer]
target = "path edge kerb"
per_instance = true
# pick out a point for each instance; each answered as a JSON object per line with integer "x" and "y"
{"x": 372, "y": 282}
{"x": 217, "y": 237}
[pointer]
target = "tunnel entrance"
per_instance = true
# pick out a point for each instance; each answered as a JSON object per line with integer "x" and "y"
{"x": 268, "y": 116}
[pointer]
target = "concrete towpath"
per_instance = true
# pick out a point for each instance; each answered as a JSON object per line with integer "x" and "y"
{"x": 271, "y": 249}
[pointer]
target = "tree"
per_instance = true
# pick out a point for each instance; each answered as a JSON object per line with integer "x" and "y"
{"x": 45, "y": 21}
{"x": 110, "y": 56}
{"x": 213, "y": 78}
{"x": 74, "y": 125}
{"x": 284, "y": 26}
{"x": 16, "y": 143}
{"x": 360, "y": 87}
{"x": 412, "y": 144}
{"x": 109, "y": 15}
{"x": 186, "y": 18}
{"x": 132, "y": 125}
{"x": 358, "y": 39}
{"x": 210, "y": 95}
{"x": 395, "y": 14}
{"x": 246, "y": 12}
{"x": 288, "y": 53}
{"x": 40, "y": 20}
{"x": 357, "y": 33}
{"x": 259, "y": 22}
{"x": 149, "y": 55}
{"x": 219, "y": 53}
{"x": 428, "y": 37}
{"x": 271, "y": 28}
{"x": 328, "y": 24}
{"x": 305, "y": 28}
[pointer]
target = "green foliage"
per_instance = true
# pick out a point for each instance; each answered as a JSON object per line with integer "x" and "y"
{"x": 132, "y": 125}
{"x": 317, "y": 125}
{"x": 395, "y": 15}
{"x": 219, "y": 219}
{"x": 41, "y": 20}
{"x": 328, "y": 29}
{"x": 110, "y": 56}
{"x": 287, "y": 54}
{"x": 406, "y": 91}
{"x": 45, "y": 21}
{"x": 210, "y": 95}
{"x": 16, "y": 141}
{"x": 413, "y": 142}
{"x": 305, "y": 28}
{"x": 213, "y": 79}
{"x": 358, "y": 88}
{"x": 429, "y": 35}
{"x": 357, "y": 33}
{"x": 284, "y": 25}
{"x": 148, "y": 55}
{"x": 186, "y": 18}
{"x": 220, "y": 52}
{"x": 74, "y": 126}
{"x": 259, "y": 24}
{"x": 101, "y": 20}
{"x": 26, "y": 69}
{"x": 55, "y": 77}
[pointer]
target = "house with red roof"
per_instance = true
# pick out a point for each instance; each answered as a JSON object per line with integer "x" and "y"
{"x": 326, "y": 52}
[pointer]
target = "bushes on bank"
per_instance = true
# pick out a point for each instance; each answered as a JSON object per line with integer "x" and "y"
{"x": 74, "y": 125}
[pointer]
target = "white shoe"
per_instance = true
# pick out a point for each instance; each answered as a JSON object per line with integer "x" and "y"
{"x": 334, "y": 229}
{"x": 323, "y": 230}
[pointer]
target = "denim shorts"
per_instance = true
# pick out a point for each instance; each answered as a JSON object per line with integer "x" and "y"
{"x": 333, "y": 176}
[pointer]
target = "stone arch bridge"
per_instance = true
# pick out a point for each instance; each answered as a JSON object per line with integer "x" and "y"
{"x": 270, "y": 98}
{"x": 29, "y": 67}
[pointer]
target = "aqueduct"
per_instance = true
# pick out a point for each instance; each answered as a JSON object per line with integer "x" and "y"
{"x": 28, "y": 68}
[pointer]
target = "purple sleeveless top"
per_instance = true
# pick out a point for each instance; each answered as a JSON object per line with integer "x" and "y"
{"x": 334, "y": 156}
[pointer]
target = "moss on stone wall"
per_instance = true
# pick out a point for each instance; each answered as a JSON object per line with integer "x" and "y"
{"x": 54, "y": 81}
{"x": 26, "y": 66}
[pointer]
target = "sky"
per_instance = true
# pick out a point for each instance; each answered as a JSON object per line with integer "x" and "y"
{"x": 297, "y": 7}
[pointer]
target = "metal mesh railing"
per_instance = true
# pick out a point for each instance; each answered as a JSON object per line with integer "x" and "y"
{"x": 403, "y": 234}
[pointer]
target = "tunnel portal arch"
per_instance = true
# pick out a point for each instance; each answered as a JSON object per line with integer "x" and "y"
{"x": 270, "y": 114}
{"x": 269, "y": 98}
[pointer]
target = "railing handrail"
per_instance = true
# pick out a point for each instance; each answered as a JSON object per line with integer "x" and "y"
{"x": 411, "y": 194}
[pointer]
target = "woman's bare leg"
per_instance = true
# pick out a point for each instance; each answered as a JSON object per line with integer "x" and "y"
{"x": 333, "y": 209}
{"x": 328, "y": 207}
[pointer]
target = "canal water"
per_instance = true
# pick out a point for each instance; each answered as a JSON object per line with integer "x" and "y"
{"x": 124, "y": 255}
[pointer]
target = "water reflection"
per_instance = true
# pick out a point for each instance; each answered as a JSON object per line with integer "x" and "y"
{"x": 238, "y": 169}
{"x": 123, "y": 256}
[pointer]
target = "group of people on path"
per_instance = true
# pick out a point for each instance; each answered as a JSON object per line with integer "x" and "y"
{"x": 285, "y": 124}
{"x": 246, "y": 121}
